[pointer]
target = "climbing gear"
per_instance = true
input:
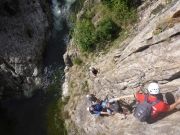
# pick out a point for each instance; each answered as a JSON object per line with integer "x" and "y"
{"x": 112, "y": 105}
{"x": 143, "y": 110}
{"x": 153, "y": 88}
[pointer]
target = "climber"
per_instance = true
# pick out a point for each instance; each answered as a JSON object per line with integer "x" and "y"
{"x": 98, "y": 110}
{"x": 93, "y": 71}
{"x": 103, "y": 107}
{"x": 157, "y": 104}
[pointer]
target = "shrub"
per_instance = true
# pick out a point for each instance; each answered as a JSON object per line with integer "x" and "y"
{"x": 122, "y": 10}
{"x": 84, "y": 35}
{"x": 77, "y": 61}
{"x": 106, "y": 30}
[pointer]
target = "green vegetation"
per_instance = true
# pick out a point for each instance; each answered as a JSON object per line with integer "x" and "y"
{"x": 122, "y": 11}
{"x": 106, "y": 30}
{"x": 55, "y": 119}
{"x": 84, "y": 35}
{"x": 77, "y": 61}
{"x": 102, "y": 23}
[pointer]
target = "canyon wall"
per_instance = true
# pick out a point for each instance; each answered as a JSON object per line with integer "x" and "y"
{"x": 25, "y": 26}
{"x": 151, "y": 53}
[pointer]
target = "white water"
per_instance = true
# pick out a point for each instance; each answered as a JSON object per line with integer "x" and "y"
{"x": 60, "y": 12}
{"x": 59, "y": 39}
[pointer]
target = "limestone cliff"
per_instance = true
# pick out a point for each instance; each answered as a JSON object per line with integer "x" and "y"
{"x": 24, "y": 30}
{"x": 151, "y": 53}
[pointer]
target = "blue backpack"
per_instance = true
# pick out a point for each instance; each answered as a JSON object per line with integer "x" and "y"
{"x": 97, "y": 108}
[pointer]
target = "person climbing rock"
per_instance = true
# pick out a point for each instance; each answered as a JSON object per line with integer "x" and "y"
{"x": 151, "y": 105}
{"x": 93, "y": 71}
{"x": 98, "y": 110}
{"x": 96, "y": 107}
{"x": 103, "y": 107}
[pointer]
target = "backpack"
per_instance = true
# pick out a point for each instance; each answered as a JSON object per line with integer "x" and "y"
{"x": 97, "y": 108}
{"x": 143, "y": 110}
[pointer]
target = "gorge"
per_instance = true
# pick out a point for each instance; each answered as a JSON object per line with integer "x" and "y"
{"x": 33, "y": 39}
{"x": 42, "y": 59}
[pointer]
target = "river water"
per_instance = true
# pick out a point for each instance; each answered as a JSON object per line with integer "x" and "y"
{"x": 38, "y": 115}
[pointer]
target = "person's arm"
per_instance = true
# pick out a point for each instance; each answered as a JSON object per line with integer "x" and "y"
{"x": 173, "y": 106}
{"x": 122, "y": 97}
{"x": 138, "y": 90}
{"x": 106, "y": 113}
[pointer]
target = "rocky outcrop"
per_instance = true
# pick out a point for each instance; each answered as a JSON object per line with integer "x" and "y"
{"x": 25, "y": 27}
{"x": 152, "y": 54}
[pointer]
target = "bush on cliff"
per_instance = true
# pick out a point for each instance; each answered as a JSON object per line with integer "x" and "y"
{"x": 106, "y": 30}
{"x": 112, "y": 14}
{"x": 88, "y": 38}
{"x": 122, "y": 11}
{"x": 77, "y": 61}
{"x": 84, "y": 35}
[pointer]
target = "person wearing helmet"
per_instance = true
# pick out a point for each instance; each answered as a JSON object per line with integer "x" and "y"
{"x": 154, "y": 95}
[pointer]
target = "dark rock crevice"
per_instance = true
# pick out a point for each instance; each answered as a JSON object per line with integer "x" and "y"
{"x": 142, "y": 48}
{"x": 174, "y": 77}
{"x": 9, "y": 7}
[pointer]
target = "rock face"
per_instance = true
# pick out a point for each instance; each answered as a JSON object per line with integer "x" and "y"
{"x": 153, "y": 54}
{"x": 24, "y": 29}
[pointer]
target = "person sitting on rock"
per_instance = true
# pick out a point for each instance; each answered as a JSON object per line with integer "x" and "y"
{"x": 103, "y": 107}
{"x": 154, "y": 97}
{"x": 98, "y": 110}
{"x": 98, "y": 107}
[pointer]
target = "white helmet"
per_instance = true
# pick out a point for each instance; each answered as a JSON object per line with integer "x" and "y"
{"x": 153, "y": 88}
